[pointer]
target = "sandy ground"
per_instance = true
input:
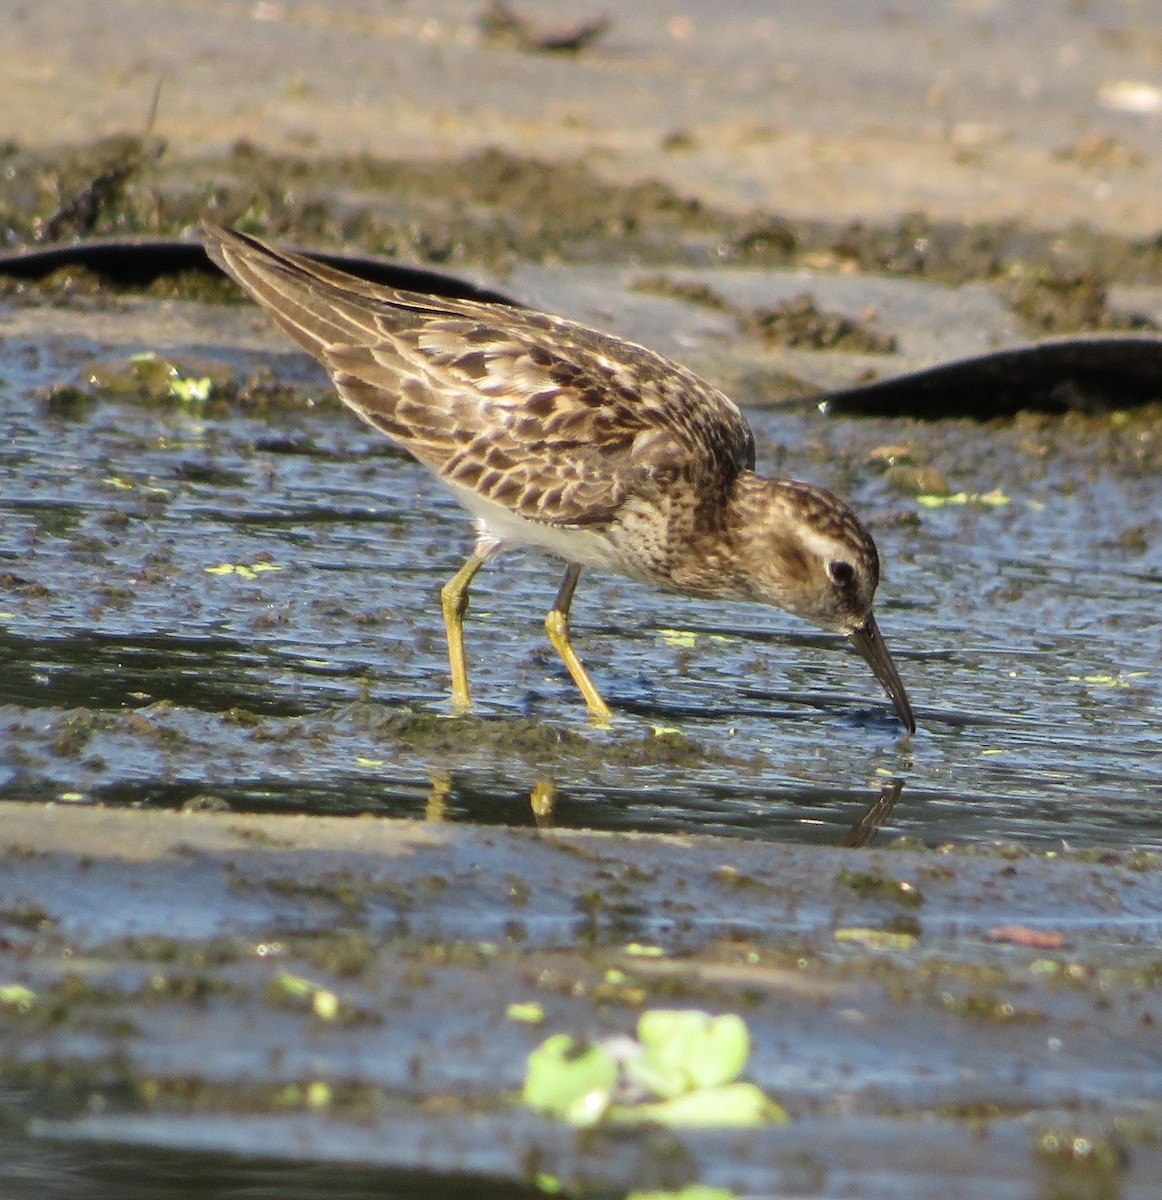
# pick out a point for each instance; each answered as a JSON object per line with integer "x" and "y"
{"x": 979, "y": 109}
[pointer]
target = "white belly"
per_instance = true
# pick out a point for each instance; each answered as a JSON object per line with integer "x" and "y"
{"x": 497, "y": 526}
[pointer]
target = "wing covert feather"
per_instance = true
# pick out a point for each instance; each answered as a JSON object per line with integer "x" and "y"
{"x": 555, "y": 421}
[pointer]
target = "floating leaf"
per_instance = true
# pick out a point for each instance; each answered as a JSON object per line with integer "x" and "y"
{"x": 682, "y": 639}
{"x": 292, "y": 987}
{"x": 325, "y": 1004}
{"x": 688, "y": 1059}
{"x": 530, "y": 1012}
{"x": 737, "y": 1105}
{"x": 17, "y": 996}
{"x": 640, "y": 950}
{"x": 685, "y": 1048}
{"x": 570, "y": 1080}
{"x": 995, "y": 499}
{"x": 190, "y": 390}
{"x": 1120, "y": 680}
{"x": 242, "y": 570}
{"x": 294, "y": 991}
{"x": 876, "y": 939}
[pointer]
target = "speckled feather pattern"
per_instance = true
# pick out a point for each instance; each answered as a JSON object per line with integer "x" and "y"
{"x": 555, "y": 422}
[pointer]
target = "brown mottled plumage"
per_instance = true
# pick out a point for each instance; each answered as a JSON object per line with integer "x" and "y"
{"x": 555, "y": 435}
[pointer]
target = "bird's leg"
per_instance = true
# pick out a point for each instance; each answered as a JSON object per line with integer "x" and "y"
{"x": 454, "y": 601}
{"x": 557, "y": 626}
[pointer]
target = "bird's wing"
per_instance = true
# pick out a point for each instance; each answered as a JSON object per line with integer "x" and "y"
{"x": 556, "y": 422}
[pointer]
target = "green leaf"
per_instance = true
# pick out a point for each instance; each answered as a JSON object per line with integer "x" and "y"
{"x": 875, "y": 939}
{"x": 638, "y": 950}
{"x": 682, "y": 639}
{"x": 569, "y": 1080}
{"x": 686, "y": 1049}
{"x": 191, "y": 390}
{"x": 528, "y": 1011}
{"x": 692, "y": 1191}
{"x": 293, "y": 987}
{"x": 737, "y": 1105}
{"x": 17, "y": 996}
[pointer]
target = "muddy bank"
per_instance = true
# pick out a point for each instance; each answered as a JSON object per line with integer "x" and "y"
{"x": 494, "y": 209}
{"x": 983, "y": 112}
{"x": 367, "y": 992}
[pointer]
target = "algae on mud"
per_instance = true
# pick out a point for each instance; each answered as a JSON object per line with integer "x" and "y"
{"x": 495, "y": 208}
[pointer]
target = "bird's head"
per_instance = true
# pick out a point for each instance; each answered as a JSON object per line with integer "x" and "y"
{"x": 808, "y": 553}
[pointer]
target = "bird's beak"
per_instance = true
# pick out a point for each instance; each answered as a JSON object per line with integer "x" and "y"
{"x": 869, "y": 642}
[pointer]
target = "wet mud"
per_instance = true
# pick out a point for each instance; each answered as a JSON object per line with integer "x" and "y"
{"x": 218, "y": 605}
{"x": 495, "y": 208}
{"x": 345, "y": 989}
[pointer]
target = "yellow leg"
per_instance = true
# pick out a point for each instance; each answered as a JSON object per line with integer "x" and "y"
{"x": 557, "y": 625}
{"x": 454, "y": 601}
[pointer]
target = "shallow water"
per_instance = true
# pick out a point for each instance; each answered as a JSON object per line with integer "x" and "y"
{"x": 139, "y": 671}
{"x": 143, "y": 669}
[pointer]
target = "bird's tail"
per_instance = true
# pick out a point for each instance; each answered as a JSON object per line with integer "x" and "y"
{"x": 317, "y": 305}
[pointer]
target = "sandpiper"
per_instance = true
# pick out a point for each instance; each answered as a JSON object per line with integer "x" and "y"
{"x": 558, "y": 436}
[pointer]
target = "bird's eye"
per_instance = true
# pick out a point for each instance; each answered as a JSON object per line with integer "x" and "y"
{"x": 842, "y": 573}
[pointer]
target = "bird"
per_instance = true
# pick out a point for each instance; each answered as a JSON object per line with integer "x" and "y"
{"x": 597, "y": 450}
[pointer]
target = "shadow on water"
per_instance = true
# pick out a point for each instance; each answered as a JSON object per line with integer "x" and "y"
{"x": 91, "y": 670}
{"x": 57, "y": 1169}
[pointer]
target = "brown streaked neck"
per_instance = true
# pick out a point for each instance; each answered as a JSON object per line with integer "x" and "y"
{"x": 721, "y": 542}
{"x": 760, "y": 526}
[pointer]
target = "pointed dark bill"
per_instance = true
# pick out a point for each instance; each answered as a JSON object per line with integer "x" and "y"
{"x": 868, "y": 641}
